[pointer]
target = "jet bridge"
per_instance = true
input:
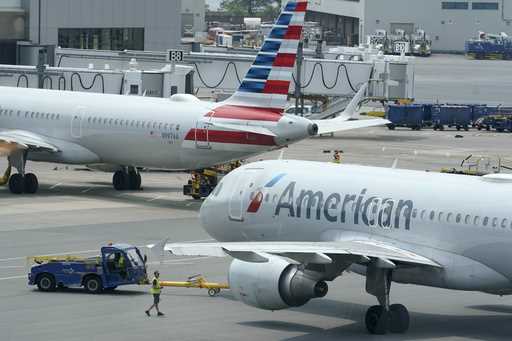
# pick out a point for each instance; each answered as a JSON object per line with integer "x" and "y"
{"x": 162, "y": 82}
{"x": 340, "y": 73}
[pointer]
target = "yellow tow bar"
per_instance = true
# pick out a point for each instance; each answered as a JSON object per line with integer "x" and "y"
{"x": 199, "y": 282}
{"x": 7, "y": 174}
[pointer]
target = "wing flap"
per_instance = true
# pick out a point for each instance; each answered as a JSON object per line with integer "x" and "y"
{"x": 303, "y": 252}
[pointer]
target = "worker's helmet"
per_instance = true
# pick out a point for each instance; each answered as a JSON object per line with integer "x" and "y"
{"x": 156, "y": 273}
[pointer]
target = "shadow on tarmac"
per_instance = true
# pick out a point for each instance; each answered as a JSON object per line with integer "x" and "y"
{"x": 78, "y": 291}
{"x": 423, "y": 326}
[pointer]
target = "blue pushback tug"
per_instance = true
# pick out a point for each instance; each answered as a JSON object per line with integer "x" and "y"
{"x": 118, "y": 264}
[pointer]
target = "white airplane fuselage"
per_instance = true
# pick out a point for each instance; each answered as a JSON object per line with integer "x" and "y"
{"x": 463, "y": 223}
{"x": 139, "y": 131}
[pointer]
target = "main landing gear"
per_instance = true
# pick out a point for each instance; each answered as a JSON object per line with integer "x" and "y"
{"x": 384, "y": 317}
{"x": 127, "y": 179}
{"x": 20, "y": 182}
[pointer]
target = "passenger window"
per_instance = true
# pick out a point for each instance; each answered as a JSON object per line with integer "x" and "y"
{"x": 177, "y": 127}
{"x": 441, "y": 216}
{"x": 486, "y": 221}
{"x": 32, "y": 114}
{"x": 476, "y": 221}
{"x": 504, "y": 223}
{"x": 267, "y": 197}
{"x": 154, "y": 125}
{"x": 415, "y": 213}
{"x": 19, "y": 113}
{"x": 458, "y": 218}
{"x": 432, "y": 215}
{"x": 449, "y": 217}
{"x": 467, "y": 220}
{"x": 116, "y": 122}
{"x": 110, "y": 121}
{"x": 494, "y": 222}
{"x": 423, "y": 214}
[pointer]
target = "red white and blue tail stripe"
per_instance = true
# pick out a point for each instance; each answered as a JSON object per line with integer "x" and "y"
{"x": 267, "y": 83}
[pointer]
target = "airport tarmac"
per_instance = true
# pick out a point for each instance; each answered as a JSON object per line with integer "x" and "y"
{"x": 77, "y": 211}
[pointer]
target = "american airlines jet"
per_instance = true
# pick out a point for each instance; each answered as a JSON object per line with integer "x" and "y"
{"x": 177, "y": 133}
{"x": 293, "y": 225}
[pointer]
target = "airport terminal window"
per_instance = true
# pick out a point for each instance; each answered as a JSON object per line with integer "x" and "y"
{"x": 116, "y": 39}
{"x": 485, "y": 5}
{"x": 454, "y": 5}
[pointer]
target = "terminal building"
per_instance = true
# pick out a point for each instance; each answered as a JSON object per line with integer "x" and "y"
{"x": 449, "y": 23}
{"x": 155, "y": 25}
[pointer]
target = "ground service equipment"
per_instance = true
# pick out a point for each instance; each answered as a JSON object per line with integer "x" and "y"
{"x": 118, "y": 264}
{"x": 198, "y": 282}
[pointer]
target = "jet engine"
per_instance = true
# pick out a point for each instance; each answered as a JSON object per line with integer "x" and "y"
{"x": 276, "y": 284}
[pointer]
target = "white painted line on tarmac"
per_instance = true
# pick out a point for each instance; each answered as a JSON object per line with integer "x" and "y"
{"x": 95, "y": 250}
{"x": 12, "y": 277}
{"x": 56, "y": 185}
{"x": 155, "y": 198}
{"x": 50, "y": 254}
{"x": 87, "y": 190}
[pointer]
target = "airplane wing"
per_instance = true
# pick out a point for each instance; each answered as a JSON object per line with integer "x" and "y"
{"x": 12, "y": 140}
{"x": 341, "y": 122}
{"x": 302, "y": 252}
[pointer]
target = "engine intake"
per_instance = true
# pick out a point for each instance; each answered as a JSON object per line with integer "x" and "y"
{"x": 274, "y": 285}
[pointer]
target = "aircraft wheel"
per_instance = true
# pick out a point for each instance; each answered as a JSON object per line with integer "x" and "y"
{"x": 31, "y": 183}
{"x": 119, "y": 181}
{"x": 134, "y": 180}
{"x": 16, "y": 184}
{"x": 212, "y": 292}
{"x": 374, "y": 320}
{"x": 399, "y": 318}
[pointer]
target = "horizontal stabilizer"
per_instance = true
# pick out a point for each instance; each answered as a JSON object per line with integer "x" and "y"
{"x": 246, "y": 128}
{"x": 340, "y": 124}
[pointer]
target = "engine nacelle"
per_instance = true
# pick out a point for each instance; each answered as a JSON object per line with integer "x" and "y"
{"x": 276, "y": 284}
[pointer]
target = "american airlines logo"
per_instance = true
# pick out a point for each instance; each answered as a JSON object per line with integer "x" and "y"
{"x": 357, "y": 209}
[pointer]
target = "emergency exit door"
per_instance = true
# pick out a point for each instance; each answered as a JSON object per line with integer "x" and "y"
{"x": 76, "y": 123}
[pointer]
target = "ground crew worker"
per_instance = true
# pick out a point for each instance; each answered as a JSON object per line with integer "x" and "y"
{"x": 155, "y": 290}
{"x": 337, "y": 157}
{"x": 121, "y": 265}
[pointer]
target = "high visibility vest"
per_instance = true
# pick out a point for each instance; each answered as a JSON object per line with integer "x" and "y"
{"x": 120, "y": 262}
{"x": 155, "y": 286}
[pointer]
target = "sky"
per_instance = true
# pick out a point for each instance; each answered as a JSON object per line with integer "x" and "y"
{"x": 214, "y": 4}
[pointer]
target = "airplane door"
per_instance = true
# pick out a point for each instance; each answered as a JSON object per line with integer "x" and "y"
{"x": 76, "y": 123}
{"x": 202, "y": 134}
{"x": 239, "y": 200}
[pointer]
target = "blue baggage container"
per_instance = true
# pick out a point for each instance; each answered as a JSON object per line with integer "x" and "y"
{"x": 458, "y": 116}
{"x": 477, "y": 111}
{"x": 410, "y": 116}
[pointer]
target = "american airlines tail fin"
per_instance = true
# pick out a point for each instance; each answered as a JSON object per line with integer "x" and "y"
{"x": 267, "y": 83}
